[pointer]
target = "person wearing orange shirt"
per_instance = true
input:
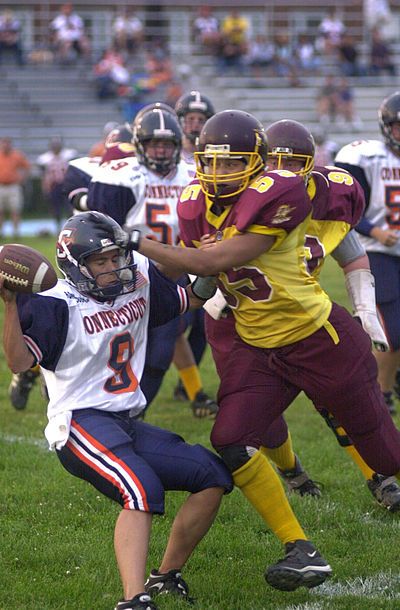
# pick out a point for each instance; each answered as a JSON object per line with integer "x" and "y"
{"x": 14, "y": 169}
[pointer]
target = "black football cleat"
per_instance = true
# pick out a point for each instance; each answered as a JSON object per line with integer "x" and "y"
{"x": 203, "y": 406}
{"x": 141, "y": 601}
{"x": 302, "y": 566}
{"x": 386, "y": 491}
{"x": 298, "y": 480}
{"x": 171, "y": 582}
{"x": 20, "y": 388}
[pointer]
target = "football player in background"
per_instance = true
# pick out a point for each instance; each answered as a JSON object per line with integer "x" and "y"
{"x": 103, "y": 310}
{"x": 376, "y": 165}
{"x": 192, "y": 109}
{"x": 98, "y": 148}
{"x": 291, "y": 337}
{"x": 143, "y": 192}
{"x": 78, "y": 174}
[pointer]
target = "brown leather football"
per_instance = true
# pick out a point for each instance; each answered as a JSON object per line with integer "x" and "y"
{"x": 25, "y": 269}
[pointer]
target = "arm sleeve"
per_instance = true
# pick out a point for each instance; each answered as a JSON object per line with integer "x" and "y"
{"x": 167, "y": 299}
{"x": 75, "y": 181}
{"x": 44, "y": 323}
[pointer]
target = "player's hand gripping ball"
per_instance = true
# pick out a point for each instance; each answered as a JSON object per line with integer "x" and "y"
{"x": 25, "y": 269}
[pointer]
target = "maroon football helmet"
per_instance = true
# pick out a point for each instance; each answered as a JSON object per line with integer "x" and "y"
{"x": 290, "y": 140}
{"x": 228, "y": 136}
{"x": 118, "y": 143}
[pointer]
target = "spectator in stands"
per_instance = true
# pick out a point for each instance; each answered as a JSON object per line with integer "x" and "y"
{"x": 68, "y": 34}
{"x": 348, "y": 57}
{"x": 330, "y": 32}
{"x": 335, "y": 103}
{"x": 158, "y": 66}
{"x": 306, "y": 56}
{"x": 346, "y": 111}
{"x": 173, "y": 91}
{"x": 14, "y": 170}
{"x": 127, "y": 31}
{"x": 284, "y": 62}
{"x": 235, "y": 30}
{"x": 381, "y": 61}
{"x": 377, "y": 14}
{"x": 157, "y": 82}
{"x": 206, "y": 30}
{"x": 10, "y": 36}
{"x": 109, "y": 73}
{"x": 327, "y": 102}
{"x": 98, "y": 149}
{"x": 325, "y": 149}
{"x": 53, "y": 165}
{"x": 260, "y": 55}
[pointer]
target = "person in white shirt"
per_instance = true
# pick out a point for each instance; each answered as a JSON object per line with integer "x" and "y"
{"x": 53, "y": 165}
{"x": 69, "y": 34}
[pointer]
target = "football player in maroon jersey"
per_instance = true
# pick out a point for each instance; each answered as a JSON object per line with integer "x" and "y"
{"x": 291, "y": 337}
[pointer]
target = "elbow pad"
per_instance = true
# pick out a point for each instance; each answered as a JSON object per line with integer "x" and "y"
{"x": 79, "y": 202}
{"x": 348, "y": 250}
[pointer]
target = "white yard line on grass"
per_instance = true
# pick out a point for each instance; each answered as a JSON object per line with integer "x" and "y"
{"x": 380, "y": 587}
{"x": 26, "y": 440}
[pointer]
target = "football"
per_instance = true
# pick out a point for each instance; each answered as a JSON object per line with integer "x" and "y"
{"x": 25, "y": 269}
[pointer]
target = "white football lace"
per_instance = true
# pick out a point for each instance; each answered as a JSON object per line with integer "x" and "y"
{"x": 13, "y": 279}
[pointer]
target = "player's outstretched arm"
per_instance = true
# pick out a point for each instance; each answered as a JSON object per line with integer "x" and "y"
{"x": 227, "y": 254}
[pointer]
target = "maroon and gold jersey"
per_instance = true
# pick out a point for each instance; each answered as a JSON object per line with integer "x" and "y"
{"x": 338, "y": 204}
{"x": 274, "y": 299}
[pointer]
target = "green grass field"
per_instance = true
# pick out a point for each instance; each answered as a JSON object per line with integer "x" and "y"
{"x": 57, "y": 532}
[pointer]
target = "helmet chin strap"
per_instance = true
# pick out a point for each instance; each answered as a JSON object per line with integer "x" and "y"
{"x": 192, "y": 136}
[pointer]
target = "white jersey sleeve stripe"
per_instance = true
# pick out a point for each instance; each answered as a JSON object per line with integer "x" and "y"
{"x": 33, "y": 347}
{"x": 184, "y": 299}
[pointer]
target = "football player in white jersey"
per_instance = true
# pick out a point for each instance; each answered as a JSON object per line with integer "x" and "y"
{"x": 193, "y": 109}
{"x": 89, "y": 335}
{"x": 142, "y": 193}
{"x": 376, "y": 165}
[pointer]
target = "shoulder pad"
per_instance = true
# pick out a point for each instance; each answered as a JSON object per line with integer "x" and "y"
{"x": 354, "y": 152}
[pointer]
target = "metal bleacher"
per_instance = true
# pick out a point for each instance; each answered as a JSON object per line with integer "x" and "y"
{"x": 39, "y": 101}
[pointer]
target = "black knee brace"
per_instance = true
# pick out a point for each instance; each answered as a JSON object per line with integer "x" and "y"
{"x": 342, "y": 439}
{"x": 236, "y": 456}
